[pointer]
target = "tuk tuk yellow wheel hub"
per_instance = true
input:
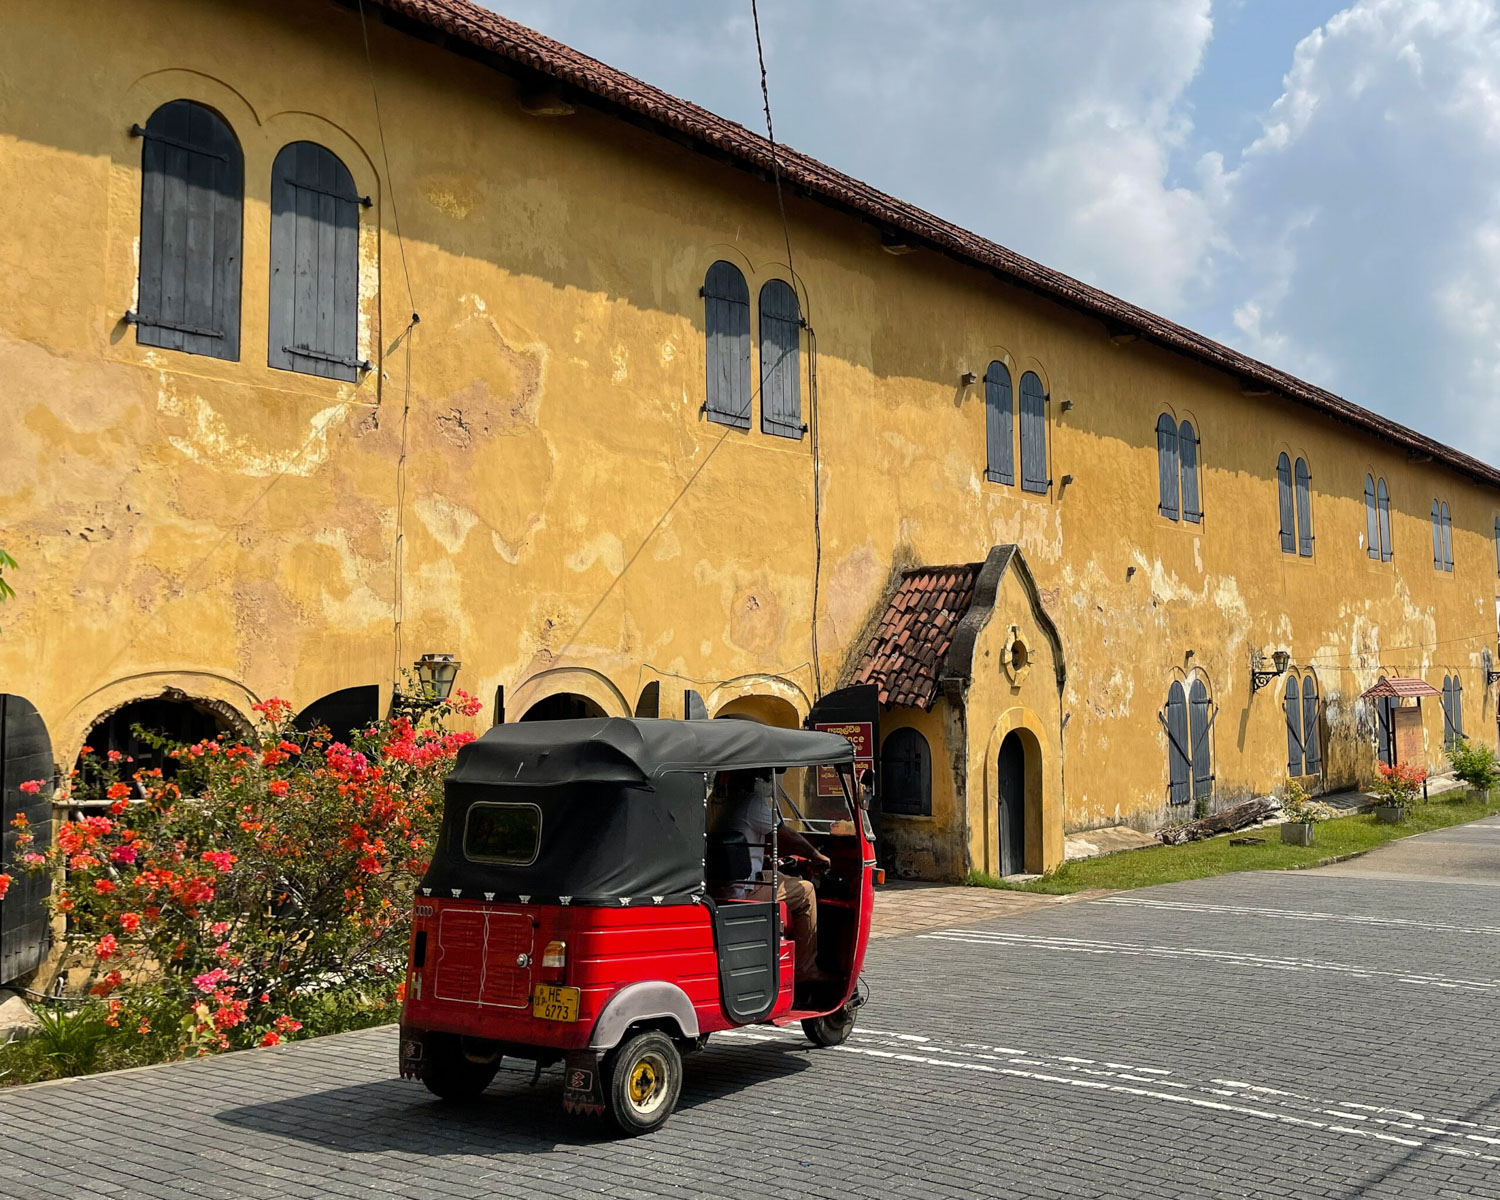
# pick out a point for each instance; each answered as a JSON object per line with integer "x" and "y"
{"x": 646, "y": 1083}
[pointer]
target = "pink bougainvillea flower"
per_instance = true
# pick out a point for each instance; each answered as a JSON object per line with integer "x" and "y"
{"x": 32, "y": 786}
{"x": 209, "y": 980}
{"x": 223, "y": 860}
{"x": 123, "y": 854}
{"x": 106, "y": 947}
{"x": 219, "y": 928}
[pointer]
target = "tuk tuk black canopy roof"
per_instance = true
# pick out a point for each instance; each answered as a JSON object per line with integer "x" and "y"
{"x": 620, "y": 805}
{"x": 633, "y": 752}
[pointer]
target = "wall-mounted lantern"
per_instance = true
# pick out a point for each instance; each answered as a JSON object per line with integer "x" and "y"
{"x": 1491, "y": 676}
{"x": 436, "y": 673}
{"x": 1259, "y": 677}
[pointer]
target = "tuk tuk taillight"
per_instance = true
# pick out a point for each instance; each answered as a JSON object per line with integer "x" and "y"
{"x": 555, "y": 956}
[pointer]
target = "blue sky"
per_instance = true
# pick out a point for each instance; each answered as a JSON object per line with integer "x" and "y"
{"x": 1317, "y": 184}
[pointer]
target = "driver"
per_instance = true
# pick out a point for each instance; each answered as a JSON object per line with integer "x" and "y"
{"x": 752, "y": 810}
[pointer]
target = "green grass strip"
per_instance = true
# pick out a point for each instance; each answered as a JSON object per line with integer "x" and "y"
{"x": 1339, "y": 838}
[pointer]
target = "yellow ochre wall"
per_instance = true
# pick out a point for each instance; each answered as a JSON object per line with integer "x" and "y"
{"x": 568, "y": 520}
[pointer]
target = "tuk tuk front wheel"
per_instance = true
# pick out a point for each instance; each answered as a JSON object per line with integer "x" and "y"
{"x": 642, "y": 1080}
{"x": 830, "y": 1030}
{"x": 451, "y": 1073}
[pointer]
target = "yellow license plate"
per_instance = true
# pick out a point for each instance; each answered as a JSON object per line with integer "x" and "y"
{"x": 552, "y": 1003}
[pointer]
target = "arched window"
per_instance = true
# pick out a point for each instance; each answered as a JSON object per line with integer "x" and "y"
{"x": 1312, "y": 743}
{"x": 1385, "y": 727}
{"x": 726, "y": 324}
{"x": 314, "y": 318}
{"x": 1285, "y": 504}
{"x": 1167, "y": 472}
{"x": 1179, "y": 747}
{"x": 999, "y": 418}
{"x": 1034, "y": 476}
{"x": 1293, "y": 709}
{"x": 1187, "y": 457}
{"x": 1304, "y": 509}
{"x": 780, "y": 360}
{"x": 1372, "y": 520}
{"x": 192, "y": 201}
{"x": 906, "y": 774}
{"x": 1445, "y": 521}
{"x": 1201, "y": 716}
{"x": 1383, "y": 503}
{"x": 1453, "y": 712}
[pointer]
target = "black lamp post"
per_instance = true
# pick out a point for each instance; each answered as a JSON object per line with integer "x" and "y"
{"x": 1259, "y": 678}
{"x": 436, "y": 673}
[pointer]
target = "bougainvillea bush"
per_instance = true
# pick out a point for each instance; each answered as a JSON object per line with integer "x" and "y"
{"x": 263, "y": 889}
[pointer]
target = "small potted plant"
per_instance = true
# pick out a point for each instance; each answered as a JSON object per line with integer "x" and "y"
{"x": 1397, "y": 789}
{"x": 1302, "y": 814}
{"x": 1474, "y": 764}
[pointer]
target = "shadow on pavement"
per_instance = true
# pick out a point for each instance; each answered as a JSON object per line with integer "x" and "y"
{"x": 512, "y": 1117}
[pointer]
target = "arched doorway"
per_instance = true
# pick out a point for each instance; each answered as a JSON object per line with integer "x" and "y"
{"x": 178, "y": 718}
{"x": 1010, "y": 800}
{"x": 768, "y": 710}
{"x": 563, "y": 706}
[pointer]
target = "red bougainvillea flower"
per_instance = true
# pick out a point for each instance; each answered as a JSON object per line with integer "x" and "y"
{"x": 32, "y": 786}
{"x": 19, "y": 821}
{"x": 117, "y": 791}
{"x": 271, "y": 1038}
{"x": 106, "y": 947}
{"x": 287, "y": 1025}
{"x": 4, "y": 885}
{"x": 219, "y": 928}
{"x": 130, "y": 921}
{"x": 278, "y": 787}
{"x": 104, "y": 887}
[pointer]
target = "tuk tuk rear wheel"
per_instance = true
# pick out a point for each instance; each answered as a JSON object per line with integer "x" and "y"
{"x": 830, "y": 1030}
{"x": 452, "y": 1074}
{"x": 642, "y": 1080}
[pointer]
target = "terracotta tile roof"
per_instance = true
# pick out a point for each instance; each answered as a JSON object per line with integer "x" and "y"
{"x": 905, "y": 656}
{"x": 625, "y": 96}
{"x": 1399, "y": 686}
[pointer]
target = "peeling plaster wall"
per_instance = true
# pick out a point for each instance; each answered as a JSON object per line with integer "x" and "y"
{"x": 567, "y": 512}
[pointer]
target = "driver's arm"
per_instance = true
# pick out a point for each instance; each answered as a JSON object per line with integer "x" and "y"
{"x": 791, "y": 840}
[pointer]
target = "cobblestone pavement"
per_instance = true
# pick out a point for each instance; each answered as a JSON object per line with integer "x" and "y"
{"x": 1300, "y": 1034}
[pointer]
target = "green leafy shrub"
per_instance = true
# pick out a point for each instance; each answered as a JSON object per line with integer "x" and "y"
{"x": 1474, "y": 764}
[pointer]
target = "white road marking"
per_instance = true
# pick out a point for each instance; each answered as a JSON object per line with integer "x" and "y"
{"x": 1268, "y": 1103}
{"x": 1231, "y": 958}
{"x": 1293, "y": 914}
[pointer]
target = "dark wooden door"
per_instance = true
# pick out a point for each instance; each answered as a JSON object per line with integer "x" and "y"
{"x": 1010, "y": 780}
{"x": 25, "y": 754}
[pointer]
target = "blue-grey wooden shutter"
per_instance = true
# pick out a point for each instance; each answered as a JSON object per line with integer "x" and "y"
{"x": 999, "y": 426}
{"x": 1312, "y": 751}
{"x": 1284, "y": 502}
{"x": 314, "y": 316}
{"x": 25, "y": 754}
{"x": 1203, "y": 759}
{"x": 1167, "y": 473}
{"x": 1383, "y": 503}
{"x": 1304, "y": 509}
{"x": 1293, "y": 709}
{"x": 726, "y": 324}
{"x": 1372, "y": 520}
{"x": 1385, "y": 707}
{"x": 1034, "y": 477}
{"x": 1187, "y": 456}
{"x": 1458, "y": 707}
{"x": 1437, "y": 539}
{"x": 1179, "y": 753}
{"x": 1497, "y": 545}
{"x": 780, "y": 360}
{"x": 192, "y": 201}
{"x": 1446, "y": 520}
{"x": 1447, "y": 711}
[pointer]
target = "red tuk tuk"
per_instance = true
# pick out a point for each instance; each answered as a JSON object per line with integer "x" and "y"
{"x": 581, "y": 907}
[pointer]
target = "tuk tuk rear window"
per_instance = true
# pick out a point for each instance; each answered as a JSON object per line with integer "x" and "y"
{"x": 503, "y": 833}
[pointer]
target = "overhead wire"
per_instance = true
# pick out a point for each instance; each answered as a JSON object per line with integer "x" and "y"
{"x": 765, "y": 94}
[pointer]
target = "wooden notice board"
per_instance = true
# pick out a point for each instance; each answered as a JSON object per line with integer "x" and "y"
{"x": 1410, "y": 751}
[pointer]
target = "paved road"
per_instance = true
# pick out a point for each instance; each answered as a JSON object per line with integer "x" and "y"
{"x": 1323, "y": 1034}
